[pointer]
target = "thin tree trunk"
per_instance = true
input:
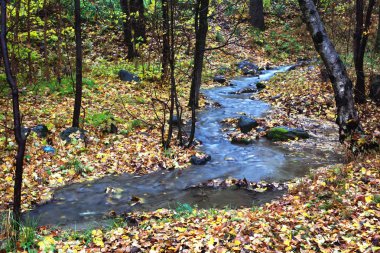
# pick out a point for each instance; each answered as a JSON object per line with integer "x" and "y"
{"x": 140, "y": 31}
{"x": 78, "y": 47}
{"x": 59, "y": 49}
{"x": 29, "y": 46}
{"x": 127, "y": 26}
{"x": 165, "y": 40}
{"x": 256, "y": 13}
{"x": 360, "y": 43}
{"x": 46, "y": 67}
{"x": 20, "y": 138}
{"x": 377, "y": 43}
{"x": 347, "y": 116}
{"x": 201, "y": 28}
{"x": 16, "y": 46}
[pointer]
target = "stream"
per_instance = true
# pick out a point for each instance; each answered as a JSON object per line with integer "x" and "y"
{"x": 85, "y": 204}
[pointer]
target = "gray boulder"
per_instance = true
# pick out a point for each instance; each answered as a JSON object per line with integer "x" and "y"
{"x": 246, "y": 124}
{"x": 260, "y": 86}
{"x": 200, "y": 160}
{"x": 65, "y": 134}
{"x": 41, "y": 131}
{"x": 219, "y": 79}
{"x": 128, "y": 76}
{"x": 375, "y": 89}
{"x": 248, "y": 68}
{"x": 286, "y": 133}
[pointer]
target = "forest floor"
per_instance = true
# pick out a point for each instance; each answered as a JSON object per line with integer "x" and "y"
{"x": 334, "y": 209}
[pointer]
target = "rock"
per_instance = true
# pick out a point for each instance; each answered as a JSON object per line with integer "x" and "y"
{"x": 276, "y": 97}
{"x": 375, "y": 89}
{"x": 246, "y": 124}
{"x": 286, "y": 133}
{"x": 113, "y": 129}
{"x": 41, "y": 130}
{"x": 219, "y": 79}
{"x": 245, "y": 90}
{"x": 200, "y": 160}
{"x": 78, "y": 132}
{"x": 127, "y": 76}
{"x": 48, "y": 149}
{"x": 248, "y": 68}
{"x": 241, "y": 140}
{"x": 260, "y": 86}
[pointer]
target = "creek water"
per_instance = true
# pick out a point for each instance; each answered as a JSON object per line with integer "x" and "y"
{"x": 79, "y": 205}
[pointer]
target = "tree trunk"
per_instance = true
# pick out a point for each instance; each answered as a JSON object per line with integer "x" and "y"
{"x": 256, "y": 13}
{"x": 46, "y": 61}
{"x": 78, "y": 68}
{"x": 165, "y": 40}
{"x": 360, "y": 43}
{"x": 201, "y": 27}
{"x": 347, "y": 116}
{"x": 127, "y": 26}
{"x": 19, "y": 136}
{"x": 29, "y": 46}
{"x": 140, "y": 31}
{"x": 377, "y": 43}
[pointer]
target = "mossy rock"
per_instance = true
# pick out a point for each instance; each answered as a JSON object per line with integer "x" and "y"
{"x": 240, "y": 140}
{"x": 286, "y": 133}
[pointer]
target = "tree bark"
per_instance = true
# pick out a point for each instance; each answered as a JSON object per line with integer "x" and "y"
{"x": 78, "y": 48}
{"x": 127, "y": 26}
{"x": 347, "y": 116}
{"x": 360, "y": 43}
{"x": 19, "y": 136}
{"x": 201, "y": 28}
{"x": 140, "y": 30}
{"x": 377, "y": 43}
{"x": 256, "y": 13}
{"x": 165, "y": 40}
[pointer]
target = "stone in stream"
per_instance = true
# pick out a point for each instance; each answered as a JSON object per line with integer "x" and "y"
{"x": 200, "y": 160}
{"x": 241, "y": 140}
{"x": 244, "y": 90}
{"x": 246, "y": 124}
{"x": 248, "y": 68}
{"x": 219, "y": 79}
{"x": 286, "y": 133}
{"x": 127, "y": 76}
{"x": 72, "y": 132}
{"x": 375, "y": 89}
{"x": 260, "y": 86}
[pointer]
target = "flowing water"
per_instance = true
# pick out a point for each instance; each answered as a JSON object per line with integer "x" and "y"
{"x": 84, "y": 203}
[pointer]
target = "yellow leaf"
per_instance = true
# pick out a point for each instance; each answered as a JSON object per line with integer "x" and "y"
{"x": 369, "y": 198}
{"x": 180, "y": 229}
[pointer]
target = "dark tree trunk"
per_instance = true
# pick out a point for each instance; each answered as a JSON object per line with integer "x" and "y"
{"x": 377, "y": 43}
{"x": 134, "y": 25}
{"x": 20, "y": 138}
{"x": 46, "y": 61}
{"x": 201, "y": 28}
{"x": 256, "y": 14}
{"x": 78, "y": 68}
{"x": 139, "y": 27}
{"x": 127, "y": 26}
{"x": 29, "y": 46}
{"x": 347, "y": 116}
{"x": 360, "y": 43}
{"x": 165, "y": 40}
